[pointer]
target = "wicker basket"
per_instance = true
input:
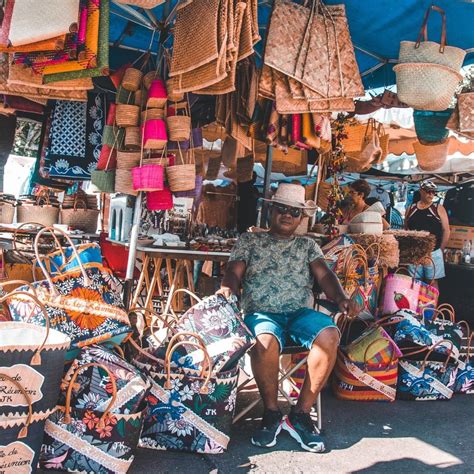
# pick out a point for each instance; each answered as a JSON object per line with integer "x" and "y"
{"x": 355, "y": 137}
{"x": 127, "y": 115}
{"x": 466, "y": 112}
{"x": 152, "y": 114}
{"x": 181, "y": 177}
{"x": 431, "y": 157}
{"x": 149, "y": 77}
{"x": 104, "y": 180}
{"x": 428, "y": 52}
{"x": 46, "y": 215}
{"x": 126, "y": 160}
{"x": 7, "y": 212}
{"x": 82, "y": 219}
{"x": 154, "y": 135}
{"x": 133, "y": 138}
{"x": 139, "y": 99}
{"x": 149, "y": 177}
{"x": 124, "y": 183}
{"x": 132, "y": 79}
{"x": 426, "y": 86}
{"x": 179, "y": 128}
{"x": 173, "y": 96}
{"x": 430, "y": 126}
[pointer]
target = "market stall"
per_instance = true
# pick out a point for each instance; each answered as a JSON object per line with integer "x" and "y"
{"x": 156, "y": 128}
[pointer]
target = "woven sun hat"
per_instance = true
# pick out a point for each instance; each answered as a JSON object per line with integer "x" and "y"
{"x": 293, "y": 195}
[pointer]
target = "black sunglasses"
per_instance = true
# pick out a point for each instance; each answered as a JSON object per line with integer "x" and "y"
{"x": 430, "y": 191}
{"x": 292, "y": 211}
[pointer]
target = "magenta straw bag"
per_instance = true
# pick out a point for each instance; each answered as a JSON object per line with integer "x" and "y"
{"x": 148, "y": 178}
{"x": 154, "y": 134}
{"x": 159, "y": 200}
{"x": 157, "y": 95}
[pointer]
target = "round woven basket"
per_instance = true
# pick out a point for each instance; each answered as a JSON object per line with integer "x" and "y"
{"x": 132, "y": 79}
{"x": 133, "y": 138}
{"x": 431, "y": 157}
{"x": 173, "y": 96}
{"x": 126, "y": 160}
{"x": 124, "y": 182}
{"x": 181, "y": 177}
{"x": 7, "y": 212}
{"x": 127, "y": 115}
{"x": 426, "y": 86}
{"x": 428, "y": 52}
{"x": 139, "y": 98}
{"x": 154, "y": 135}
{"x": 430, "y": 126}
{"x": 152, "y": 114}
{"x": 179, "y": 128}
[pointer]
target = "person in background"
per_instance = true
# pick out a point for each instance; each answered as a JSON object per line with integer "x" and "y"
{"x": 359, "y": 191}
{"x": 433, "y": 218}
{"x": 275, "y": 271}
{"x": 247, "y": 205}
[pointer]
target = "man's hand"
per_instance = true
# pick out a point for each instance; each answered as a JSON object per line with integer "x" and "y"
{"x": 349, "y": 307}
{"x": 225, "y": 292}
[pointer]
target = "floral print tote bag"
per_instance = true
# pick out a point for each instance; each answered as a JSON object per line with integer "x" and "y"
{"x": 465, "y": 375}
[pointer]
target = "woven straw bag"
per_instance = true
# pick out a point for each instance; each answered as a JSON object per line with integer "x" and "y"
{"x": 126, "y": 160}
{"x": 466, "y": 112}
{"x": 152, "y": 114}
{"x": 124, "y": 182}
{"x": 179, "y": 127}
{"x": 139, "y": 98}
{"x": 429, "y": 51}
{"x": 182, "y": 177}
{"x": 149, "y": 77}
{"x": 355, "y": 137}
{"x": 384, "y": 140}
{"x": 82, "y": 219}
{"x": 133, "y": 138}
{"x": 172, "y": 95}
{"x": 431, "y": 156}
{"x": 104, "y": 180}
{"x": 453, "y": 124}
{"x": 127, "y": 115}
{"x": 7, "y": 212}
{"x": 40, "y": 213}
{"x": 426, "y": 86}
{"x": 430, "y": 126}
{"x": 132, "y": 79}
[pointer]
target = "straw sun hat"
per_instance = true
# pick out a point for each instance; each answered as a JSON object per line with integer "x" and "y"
{"x": 293, "y": 195}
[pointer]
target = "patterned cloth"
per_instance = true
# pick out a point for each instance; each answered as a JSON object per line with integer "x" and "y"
{"x": 75, "y": 138}
{"x": 278, "y": 277}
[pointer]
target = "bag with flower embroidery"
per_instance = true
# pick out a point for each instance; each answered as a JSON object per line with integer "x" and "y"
{"x": 87, "y": 439}
{"x": 188, "y": 409}
{"x": 220, "y": 325}
{"x": 93, "y": 385}
{"x": 84, "y": 304}
{"x": 465, "y": 375}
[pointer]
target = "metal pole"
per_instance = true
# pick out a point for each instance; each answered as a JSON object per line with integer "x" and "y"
{"x": 132, "y": 251}
{"x": 266, "y": 186}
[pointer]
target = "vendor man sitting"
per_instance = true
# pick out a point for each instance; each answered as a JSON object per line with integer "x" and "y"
{"x": 275, "y": 271}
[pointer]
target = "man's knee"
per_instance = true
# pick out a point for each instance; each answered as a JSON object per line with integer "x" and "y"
{"x": 265, "y": 344}
{"x": 327, "y": 340}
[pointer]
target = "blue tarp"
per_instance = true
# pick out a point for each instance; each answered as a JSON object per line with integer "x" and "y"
{"x": 376, "y": 26}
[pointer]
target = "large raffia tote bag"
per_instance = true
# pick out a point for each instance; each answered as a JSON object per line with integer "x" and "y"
{"x": 34, "y": 356}
{"x": 190, "y": 410}
{"x": 85, "y": 304}
{"x": 429, "y": 51}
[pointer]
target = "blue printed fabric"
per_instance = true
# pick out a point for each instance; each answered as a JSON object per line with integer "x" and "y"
{"x": 465, "y": 377}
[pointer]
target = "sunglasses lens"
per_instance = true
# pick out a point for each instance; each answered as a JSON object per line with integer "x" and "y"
{"x": 293, "y": 211}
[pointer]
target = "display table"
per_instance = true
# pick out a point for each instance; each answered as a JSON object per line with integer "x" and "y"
{"x": 457, "y": 289}
{"x": 179, "y": 269}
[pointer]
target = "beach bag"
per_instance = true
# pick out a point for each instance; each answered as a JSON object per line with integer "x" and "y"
{"x": 375, "y": 381}
{"x": 42, "y": 212}
{"x": 219, "y": 324}
{"x": 21, "y": 436}
{"x": 33, "y": 356}
{"x": 428, "y": 379}
{"x": 448, "y": 329}
{"x": 466, "y": 112}
{"x": 400, "y": 292}
{"x": 85, "y": 304}
{"x": 92, "y": 392}
{"x": 190, "y": 410}
{"x": 465, "y": 375}
{"x": 89, "y": 440}
{"x": 83, "y": 219}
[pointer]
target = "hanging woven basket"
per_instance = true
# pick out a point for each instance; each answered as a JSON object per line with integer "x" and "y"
{"x": 173, "y": 96}
{"x": 426, "y": 86}
{"x": 431, "y": 157}
{"x": 124, "y": 182}
{"x": 126, "y": 160}
{"x": 181, "y": 177}
{"x": 149, "y": 77}
{"x": 152, "y": 114}
{"x": 154, "y": 134}
{"x": 430, "y": 126}
{"x": 160, "y": 200}
{"x": 179, "y": 127}
{"x": 104, "y": 180}
{"x": 127, "y": 115}
{"x": 148, "y": 177}
{"x": 133, "y": 138}
{"x": 466, "y": 112}
{"x": 157, "y": 95}
{"x": 132, "y": 79}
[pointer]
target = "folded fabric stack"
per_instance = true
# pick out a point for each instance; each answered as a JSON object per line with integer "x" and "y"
{"x": 52, "y": 49}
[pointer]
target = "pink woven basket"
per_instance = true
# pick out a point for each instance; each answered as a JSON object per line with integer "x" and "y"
{"x": 160, "y": 200}
{"x": 157, "y": 95}
{"x": 148, "y": 177}
{"x": 154, "y": 134}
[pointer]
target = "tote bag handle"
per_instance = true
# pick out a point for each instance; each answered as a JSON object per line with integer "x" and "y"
{"x": 424, "y": 28}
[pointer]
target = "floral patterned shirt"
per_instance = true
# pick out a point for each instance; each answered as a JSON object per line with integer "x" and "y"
{"x": 278, "y": 277}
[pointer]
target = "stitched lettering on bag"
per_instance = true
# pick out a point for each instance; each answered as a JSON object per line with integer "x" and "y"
{"x": 28, "y": 378}
{"x": 17, "y": 457}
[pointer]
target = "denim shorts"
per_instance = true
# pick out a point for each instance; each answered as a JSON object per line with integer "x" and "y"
{"x": 301, "y": 327}
{"x": 427, "y": 272}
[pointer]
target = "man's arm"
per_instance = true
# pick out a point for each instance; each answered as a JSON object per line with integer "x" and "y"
{"x": 331, "y": 286}
{"x": 443, "y": 215}
{"x": 232, "y": 280}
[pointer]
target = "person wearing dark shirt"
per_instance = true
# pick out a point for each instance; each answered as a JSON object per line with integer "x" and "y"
{"x": 431, "y": 217}
{"x": 247, "y": 205}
